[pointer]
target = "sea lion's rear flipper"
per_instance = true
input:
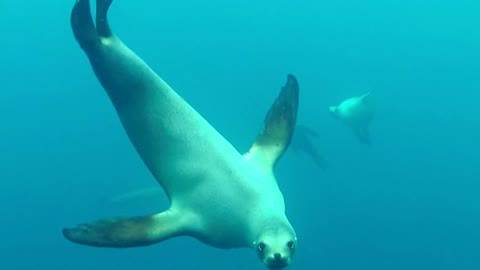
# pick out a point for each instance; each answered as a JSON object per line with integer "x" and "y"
{"x": 366, "y": 97}
{"x": 125, "y": 232}
{"x": 279, "y": 125}
{"x": 83, "y": 26}
{"x": 103, "y": 29}
{"x": 86, "y": 33}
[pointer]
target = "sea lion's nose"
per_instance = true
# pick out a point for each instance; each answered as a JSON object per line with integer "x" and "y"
{"x": 277, "y": 262}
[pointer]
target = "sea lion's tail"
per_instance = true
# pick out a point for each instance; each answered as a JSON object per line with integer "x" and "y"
{"x": 84, "y": 30}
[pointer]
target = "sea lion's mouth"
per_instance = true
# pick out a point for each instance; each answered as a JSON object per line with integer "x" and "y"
{"x": 277, "y": 263}
{"x": 277, "y": 266}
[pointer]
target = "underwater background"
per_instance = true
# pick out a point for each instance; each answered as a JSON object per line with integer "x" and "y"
{"x": 410, "y": 201}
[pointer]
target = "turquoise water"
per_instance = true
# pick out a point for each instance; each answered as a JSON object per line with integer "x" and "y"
{"x": 411, "y": 201}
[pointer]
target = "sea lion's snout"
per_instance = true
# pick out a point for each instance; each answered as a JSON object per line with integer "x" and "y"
{"x": 332, "y": 109}
{"x": 278, "y": 261}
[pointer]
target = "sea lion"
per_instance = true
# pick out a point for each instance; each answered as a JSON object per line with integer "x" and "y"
{"x": 302, "y": 142}
{"x": 148, "y": 194}
{"x": 356, "y": 113}
{"x": 217, "y": 195}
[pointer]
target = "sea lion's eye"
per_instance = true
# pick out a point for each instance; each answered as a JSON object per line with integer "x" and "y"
{"x": 261, "y": 246}
{"x": 291, "y": 244}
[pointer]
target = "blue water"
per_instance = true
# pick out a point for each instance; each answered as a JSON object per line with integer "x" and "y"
{"x": 411, "y": 201}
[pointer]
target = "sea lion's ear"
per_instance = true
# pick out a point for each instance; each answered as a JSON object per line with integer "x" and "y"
{"x": 278, "y": 128}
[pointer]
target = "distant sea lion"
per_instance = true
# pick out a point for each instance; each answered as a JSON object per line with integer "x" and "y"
{"x": 302, "y": 142}
{"x": 357, "y": 113}
{"x": 144, "y": 194}
{"x": 217, "y": 195}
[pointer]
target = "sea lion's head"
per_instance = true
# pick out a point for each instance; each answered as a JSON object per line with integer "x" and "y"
{"x": 333, "y": 110}
{"x": 276, "y": 247}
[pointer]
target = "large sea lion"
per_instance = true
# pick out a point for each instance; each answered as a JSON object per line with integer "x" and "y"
{"x": 217, "y": 195}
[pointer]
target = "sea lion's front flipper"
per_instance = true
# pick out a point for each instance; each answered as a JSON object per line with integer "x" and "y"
{"x": 126, "y": 232}
{"x": 363, "y": 135}
{"x": 309, "y": 149}
{"x": 307, "y": 131}
{"x": 279, "y": 125}
{"x": 302, "y": 141}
